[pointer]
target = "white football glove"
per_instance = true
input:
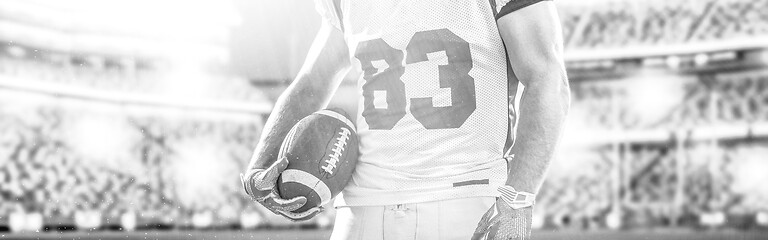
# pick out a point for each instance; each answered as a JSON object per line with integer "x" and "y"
{"x": 509, "y": 218}
{"x": 260, "y": 184}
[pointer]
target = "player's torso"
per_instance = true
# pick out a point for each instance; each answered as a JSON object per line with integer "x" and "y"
{"x": 433, "y": 109}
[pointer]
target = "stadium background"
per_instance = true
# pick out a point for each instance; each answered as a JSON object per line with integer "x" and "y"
{"x": 132, "y": 119}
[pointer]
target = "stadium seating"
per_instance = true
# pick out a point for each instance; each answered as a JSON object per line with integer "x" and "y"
{"x": 139, "y": 81}
{"x": 715, "y": 162}
{"x": 577, "y": 192}
{"x": 42, "y": 171}
{"x": 43, "y": 174}
{"x": 613, "y": 24}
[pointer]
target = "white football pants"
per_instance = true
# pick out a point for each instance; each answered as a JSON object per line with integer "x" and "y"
{"x": 447, "y": 219}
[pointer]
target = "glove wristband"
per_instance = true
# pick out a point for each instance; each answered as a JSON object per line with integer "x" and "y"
{"x": 517, "y": 199}
{"x": 247, "y": 180}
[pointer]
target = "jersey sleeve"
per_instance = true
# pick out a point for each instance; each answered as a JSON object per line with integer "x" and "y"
{"x": 330, "y": 11}
{"x": 504, "y": 7}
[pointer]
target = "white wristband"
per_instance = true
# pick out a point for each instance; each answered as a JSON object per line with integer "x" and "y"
{"x": 517, "y": 199}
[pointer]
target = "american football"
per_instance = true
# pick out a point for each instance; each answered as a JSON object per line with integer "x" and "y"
{"x": 322, "y": 151}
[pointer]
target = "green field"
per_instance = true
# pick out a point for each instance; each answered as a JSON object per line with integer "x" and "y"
{"x": 325, "y": 234}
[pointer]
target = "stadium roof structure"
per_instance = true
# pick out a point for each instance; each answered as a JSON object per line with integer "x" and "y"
{"x": 229, "y": 107}
{"x": 140, "y": 27}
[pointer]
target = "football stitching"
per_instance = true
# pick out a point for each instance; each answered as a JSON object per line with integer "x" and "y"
{"x": 336, "y": 152}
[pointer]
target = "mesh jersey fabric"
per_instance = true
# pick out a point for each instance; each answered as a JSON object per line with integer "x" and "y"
{"x": 433, "y": 113}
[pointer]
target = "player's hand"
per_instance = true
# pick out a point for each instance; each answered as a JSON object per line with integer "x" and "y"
{"x": 259, "y": 184}
{"x": 503, "y": 221}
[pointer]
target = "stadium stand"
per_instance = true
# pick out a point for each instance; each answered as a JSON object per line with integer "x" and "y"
{"x": 635, "y": 23}
{"x": 44, "y": 174}
{"x": 117, "y": 77}
{"x": 177, "y": 169}
{"x": 716, "y": 122}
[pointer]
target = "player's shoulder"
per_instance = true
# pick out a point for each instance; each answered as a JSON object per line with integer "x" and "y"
{"x": 330, "y": 11}
{"x": 326, "y": 5}
{"x": 504, "y": 7}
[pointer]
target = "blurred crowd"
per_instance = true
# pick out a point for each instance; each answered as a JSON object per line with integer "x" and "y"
{"x": 43, "y": 171}
{"x": 733, "y": 98}
{"x": 661, "y": 22}
{"x": 739, "y": 98}
{"x": 175, "y": 168}
{"x": 709, "y": 136}
{"x": 180, "y": 169}
{"x": 123, "y": 76}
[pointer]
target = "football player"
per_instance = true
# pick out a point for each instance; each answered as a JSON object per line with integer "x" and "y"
{"x": 436, "y": 156}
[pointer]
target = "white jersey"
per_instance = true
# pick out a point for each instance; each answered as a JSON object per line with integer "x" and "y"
{"x": 433, "y": 116}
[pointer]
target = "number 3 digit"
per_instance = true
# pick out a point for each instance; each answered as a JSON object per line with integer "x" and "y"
{"x": 455, "y": 76}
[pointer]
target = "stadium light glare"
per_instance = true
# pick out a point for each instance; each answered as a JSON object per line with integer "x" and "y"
{"x": 764, "y": 57}
{"x": 650, "y": 96}
{"x": 713, "y": 219}
{"x": 202, "y": 219}
{"x": 187, "y": 85}
{"x": 87, "y": 219}
{"x": 105, "y": 141}
{"x": 186, "y": 81}
{"x": 196, "y": 167}
{"x": 538, "y": 219}
{"x": 613, "y": 220}
{"x": 17, "y": 221}
{"x": 749, "y": 172}
{"x": 576, "y": 129}
{"x": 128, "y": 221}
{"x": 148, "y": 28}
{"x": 324, "y": 221}
{"x": 762, "y": 218}
{"x": 34, "y": 222}
{"x": 673, "y": 62}
{"x": 701, "y": 59}
{"x": 250, "y": 220}
{"x": 16, "y": 51}
{"x": 154, "y": 14}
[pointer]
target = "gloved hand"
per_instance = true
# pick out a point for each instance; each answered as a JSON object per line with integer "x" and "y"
{"x": 509, "y": 218}
{"x": 260, "y": 184}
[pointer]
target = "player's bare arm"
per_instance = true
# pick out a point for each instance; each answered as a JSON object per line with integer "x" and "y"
{"x": 533, "y": 39}
{"x": 325, "y": 66}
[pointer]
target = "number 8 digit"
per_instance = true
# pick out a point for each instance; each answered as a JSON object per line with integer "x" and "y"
{"x": 387, "y": 80}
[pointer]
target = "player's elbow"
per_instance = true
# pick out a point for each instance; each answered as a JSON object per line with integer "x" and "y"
{"x": 564, "y": 96}
{"x": 550, "y": 84}
{"x": 563, "y": 89}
